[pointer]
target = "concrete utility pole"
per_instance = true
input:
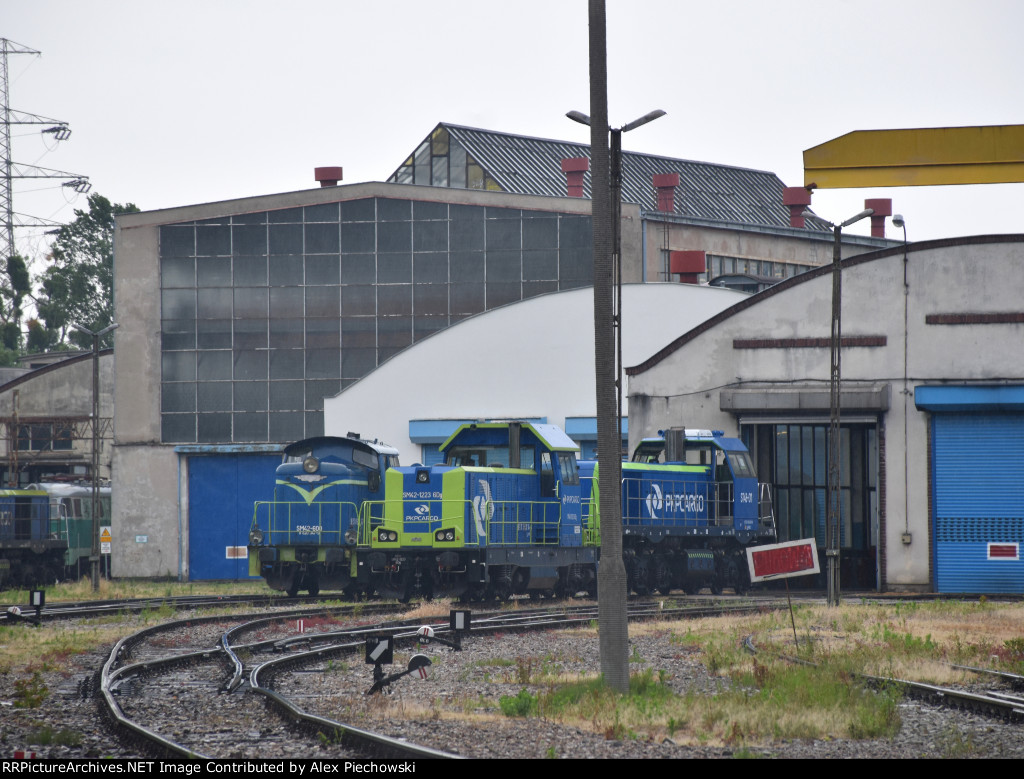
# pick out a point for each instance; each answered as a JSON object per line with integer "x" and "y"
{"x": 613, "y": 625}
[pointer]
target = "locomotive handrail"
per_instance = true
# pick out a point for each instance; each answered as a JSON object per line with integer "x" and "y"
{"x": 295, "y": 521}
{"x": 495, "y": 522}
{"x": 677, "y": 502}
{"x": 766, "y": 509}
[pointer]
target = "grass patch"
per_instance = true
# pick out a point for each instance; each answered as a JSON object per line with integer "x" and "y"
{"x": 762, "y": 699}
{"x": 47, "y": 736}
{"x": 117, "y": 589}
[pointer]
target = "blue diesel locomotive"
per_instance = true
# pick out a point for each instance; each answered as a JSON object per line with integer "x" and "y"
{"x": 691, "y": 504}
{"x": 305, "y": 539}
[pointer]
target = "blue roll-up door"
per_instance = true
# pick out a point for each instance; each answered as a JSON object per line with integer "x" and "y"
{"x": 432, "y": 455}
{"x": 978, "y": 489}
{"x": 222, "y": 489}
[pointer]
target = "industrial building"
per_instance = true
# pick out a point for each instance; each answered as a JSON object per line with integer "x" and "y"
{"x": 46, "y": 419}
{"x": 932, "y": 408}
{"x": 238, "y": 319}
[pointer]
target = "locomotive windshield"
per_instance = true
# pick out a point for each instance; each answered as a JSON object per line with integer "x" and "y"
{"x": 483, "y": 456}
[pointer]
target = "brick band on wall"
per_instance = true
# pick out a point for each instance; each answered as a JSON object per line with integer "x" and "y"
{"x": 1005, "y": 318}
{"x": 807, "y": 343}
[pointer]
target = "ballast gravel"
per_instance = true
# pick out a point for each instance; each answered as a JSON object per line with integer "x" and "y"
{"x": 455, "y": 708}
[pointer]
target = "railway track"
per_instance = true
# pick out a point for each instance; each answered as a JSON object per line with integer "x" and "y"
{"x": 238, "y": 668}
{"x": 168, "y": 673}
{"x": 294, "y": 684}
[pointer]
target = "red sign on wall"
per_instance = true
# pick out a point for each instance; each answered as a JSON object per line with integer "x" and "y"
{"x": 778, "y": 561}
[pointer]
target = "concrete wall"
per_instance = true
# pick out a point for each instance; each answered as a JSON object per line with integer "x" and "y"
{"x": 700, "y": 379}
{"x": 144, "y": 504}
{"x": 146, "y": 541}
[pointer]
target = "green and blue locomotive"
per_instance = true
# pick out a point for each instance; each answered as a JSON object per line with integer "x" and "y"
{"x": 501, "y": 516}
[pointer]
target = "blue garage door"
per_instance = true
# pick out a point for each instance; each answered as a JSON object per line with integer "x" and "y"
{"x": 979, "y": 502}
{"x": 222, "y": 489}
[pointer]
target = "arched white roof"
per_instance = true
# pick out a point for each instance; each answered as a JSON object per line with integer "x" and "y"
{"x": 529, "y": 359}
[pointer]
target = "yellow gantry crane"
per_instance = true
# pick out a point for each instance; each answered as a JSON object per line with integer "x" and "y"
{"x": 921, "y": 157}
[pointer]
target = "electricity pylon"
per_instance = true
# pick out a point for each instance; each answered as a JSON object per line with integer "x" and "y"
{"x": 12, "y": 170}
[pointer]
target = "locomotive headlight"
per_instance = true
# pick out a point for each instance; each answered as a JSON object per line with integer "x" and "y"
{"x": 350, "y": 536}
{"x": 310, "y": 464}
{"x": 422, "y": 476}
{"x": 255, "y": 537}
{"x": 387, "y": 536}
{"x": 445, "y": 535}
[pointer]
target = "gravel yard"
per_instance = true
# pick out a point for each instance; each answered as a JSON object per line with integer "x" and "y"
{"x": 455, "y": 708}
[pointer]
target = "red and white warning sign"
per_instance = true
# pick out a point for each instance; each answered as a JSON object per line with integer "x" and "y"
{"x": 779, "y": 561}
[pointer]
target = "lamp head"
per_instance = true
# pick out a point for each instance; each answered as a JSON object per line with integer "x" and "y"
{"x": 898, "y": 221}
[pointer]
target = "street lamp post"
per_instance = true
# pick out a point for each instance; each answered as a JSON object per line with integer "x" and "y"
{"x": 606, "y": 204}
{"x": 615, "y": 189}
{"x": 833, "y": 511}
{"x": 94, "y": 556}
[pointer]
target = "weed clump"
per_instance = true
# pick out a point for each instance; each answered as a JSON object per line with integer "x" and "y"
{"x": 30, "y": 693}
{"x": 522, "y": 705}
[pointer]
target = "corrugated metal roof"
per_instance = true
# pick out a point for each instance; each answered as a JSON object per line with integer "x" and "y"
{"x": 532, "y": 166}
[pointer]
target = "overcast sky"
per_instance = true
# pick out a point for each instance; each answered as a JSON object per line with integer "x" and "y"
{"x": 185, "y": 102}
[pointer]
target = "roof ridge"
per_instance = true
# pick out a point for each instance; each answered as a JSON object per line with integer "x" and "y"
{"x": 450, "y": 126}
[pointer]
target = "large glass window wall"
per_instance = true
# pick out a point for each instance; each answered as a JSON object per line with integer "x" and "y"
{"x": 264, "y": 315}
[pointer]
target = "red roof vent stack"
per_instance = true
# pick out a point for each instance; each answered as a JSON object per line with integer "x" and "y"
{"x": 574, "y": 168}
{"x": 666, "y": 184}
{"x": 883, "y": 208}
{"x": 688, "y": 264}
{"x": 328, "y": 177}
{"x": 798, "y": 199}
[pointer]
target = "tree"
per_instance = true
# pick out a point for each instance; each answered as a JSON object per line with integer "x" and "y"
{"x": 77, "y": 287}
{"x": 12, "y": 294}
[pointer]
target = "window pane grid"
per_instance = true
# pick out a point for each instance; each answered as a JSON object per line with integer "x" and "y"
{"x": 264, "y": 313}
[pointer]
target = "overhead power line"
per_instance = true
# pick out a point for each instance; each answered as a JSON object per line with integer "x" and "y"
{"x": 12, "y": 170}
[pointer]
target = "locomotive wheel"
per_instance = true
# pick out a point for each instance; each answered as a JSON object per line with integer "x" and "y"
{"x": 293, "y": 589}
{"x": 661, "y": 575}
{"x": 314, "y": 587}
{"x": 638, "y": 574}
{"x": 736, "y": 575}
